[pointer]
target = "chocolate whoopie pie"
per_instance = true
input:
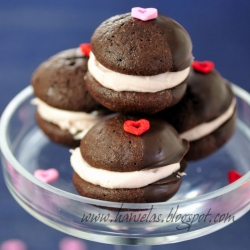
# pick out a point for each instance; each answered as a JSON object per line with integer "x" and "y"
{"x": 206, "y": 116}
{"x": 124, "y": 159}
{"x": 139, "y": 64}
{"x": 65, "y": 109}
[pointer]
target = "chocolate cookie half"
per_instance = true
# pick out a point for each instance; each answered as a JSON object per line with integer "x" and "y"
{"x": 156, "y": 192}
{"x": 206, "y": 116}
{"x": 56, "y": 134}
{"x": 65, "y": 109}
{"x": 115, "y": 164}
{"x": 134, "y": 62}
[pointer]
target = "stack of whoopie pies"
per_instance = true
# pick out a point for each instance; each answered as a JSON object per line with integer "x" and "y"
{"x": 165, "y": 108}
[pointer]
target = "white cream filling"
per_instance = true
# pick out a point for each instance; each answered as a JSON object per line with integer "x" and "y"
{"x": 121, "y": 82}
{"x": 77, "y": 123}
{"x": 110, "y": 179}
{"x": 208, "y": 127}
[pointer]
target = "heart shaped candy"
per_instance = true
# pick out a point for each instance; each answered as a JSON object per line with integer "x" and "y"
{"x": 136, "y": 127}
{"x": 233, "y": 176}
{"x": 46, "y": 176}
{"x": 144, "y": 14}
{"x": 85, "y": 48}
{"x": 204, "y": 67}
{"x": 72, "y": 244}
{"x": 13, "y": 244}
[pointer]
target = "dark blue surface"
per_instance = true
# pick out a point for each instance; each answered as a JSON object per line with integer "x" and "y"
{"x": 31, "y": 31}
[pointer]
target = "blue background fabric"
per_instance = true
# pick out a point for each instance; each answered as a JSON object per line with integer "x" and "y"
{"x": 32, "y": 31}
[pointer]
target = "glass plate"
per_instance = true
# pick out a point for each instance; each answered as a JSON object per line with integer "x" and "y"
{"x": 205, "y": 202}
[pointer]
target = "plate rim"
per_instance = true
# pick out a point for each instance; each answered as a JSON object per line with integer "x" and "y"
{"x": 6, "y": 152}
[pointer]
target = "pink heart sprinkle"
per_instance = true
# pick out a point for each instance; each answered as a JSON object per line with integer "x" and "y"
{"x": 46, "y": 176}
{"x": 72, "y": 244}
{"x": 144, "y": 14}
{"x": 13, "y": 244}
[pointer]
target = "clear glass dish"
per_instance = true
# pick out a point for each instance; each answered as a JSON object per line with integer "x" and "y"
{"x": 204, "y": 203}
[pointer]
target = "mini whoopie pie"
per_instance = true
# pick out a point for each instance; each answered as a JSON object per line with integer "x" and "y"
{"x": 129, "y": 159}
{"x": 139, "y": 62}
{"x": 65, "y": 109}
{"x": 206, "y": 116}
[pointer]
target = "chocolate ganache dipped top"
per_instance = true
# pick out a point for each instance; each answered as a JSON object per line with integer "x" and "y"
{"x": 129, "y": 159}
{"x": 206, "y": 116}
{"x": 139, "y": 64}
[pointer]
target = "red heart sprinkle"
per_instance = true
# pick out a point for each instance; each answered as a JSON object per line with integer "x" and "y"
{"x": 204, "y": 67}
{"x": 85, "y": 48}
{"x": 233, "y": 176}
{"x": 136, "y": 127}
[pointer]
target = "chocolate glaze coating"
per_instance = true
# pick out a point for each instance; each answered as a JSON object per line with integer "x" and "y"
{"x": 59, "y": 82}
{"x": 207, "y": 97}
{"x": 134, "y": 102}
{"x": 108, "y": 146}
{"x": 209, "y": 144}
{"x": 156, "y": 192}
{"x": 130, "y": 46}
{"x": 56, "y": 134}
